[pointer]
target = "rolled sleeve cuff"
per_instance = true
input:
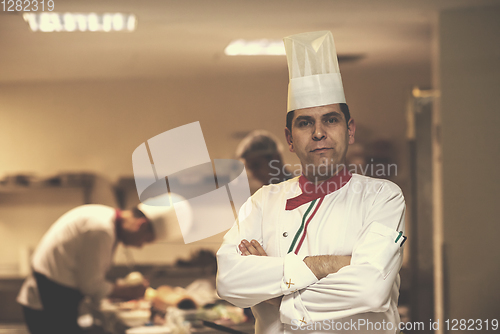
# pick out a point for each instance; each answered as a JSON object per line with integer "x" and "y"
{"x": 297, "y": 274}
{"x": 293, "y": 312}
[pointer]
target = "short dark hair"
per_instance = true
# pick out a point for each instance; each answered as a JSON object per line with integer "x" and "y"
{"x": 343, "y": 107}
{"x": 258, "y": 143}
{"x": 138, "y": 213}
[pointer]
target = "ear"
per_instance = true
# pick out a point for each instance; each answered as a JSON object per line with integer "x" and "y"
{"x": 140, "y": 223}
{"x": 351, "y": 130}
{"x": 289, "y": 140}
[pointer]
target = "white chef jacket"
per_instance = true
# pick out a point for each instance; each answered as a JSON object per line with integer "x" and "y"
{"x": 75, "y": 252}
{"x": 363, "y": 218}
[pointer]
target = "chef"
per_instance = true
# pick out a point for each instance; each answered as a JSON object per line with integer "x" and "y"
{"x": 74, "y": 255}
{"x": 321, "y": 252}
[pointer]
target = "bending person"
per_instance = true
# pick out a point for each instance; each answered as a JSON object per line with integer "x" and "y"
{"x": 72, "y": 259}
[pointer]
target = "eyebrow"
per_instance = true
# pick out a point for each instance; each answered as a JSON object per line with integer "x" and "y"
{"x": 333, "y": 113}
{"x": 302, "y": 118}
{"x": 309, "y": 118}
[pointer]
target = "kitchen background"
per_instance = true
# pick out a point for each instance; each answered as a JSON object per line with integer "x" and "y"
{"x": 421, "y": 79}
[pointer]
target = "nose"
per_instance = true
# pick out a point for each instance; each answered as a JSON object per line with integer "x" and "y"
{"x": 319, "y": 132}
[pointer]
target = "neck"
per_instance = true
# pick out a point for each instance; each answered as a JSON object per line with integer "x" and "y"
{"x": 317, "y": 178}
{"x": 122, "y": 223}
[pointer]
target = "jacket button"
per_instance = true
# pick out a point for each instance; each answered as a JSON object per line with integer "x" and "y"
{"x": 285, "y": 234}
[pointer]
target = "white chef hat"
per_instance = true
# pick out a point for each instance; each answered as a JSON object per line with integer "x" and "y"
{"x": 162, "y": 214}
{"x": 313, "y": 69}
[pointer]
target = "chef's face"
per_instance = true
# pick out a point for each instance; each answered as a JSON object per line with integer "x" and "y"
{"x": 142, "y": 234}
{"x": 320, "y": 137}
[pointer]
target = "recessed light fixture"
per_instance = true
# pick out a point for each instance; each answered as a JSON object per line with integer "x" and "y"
{"x": 261, "y": 47}
{"x": 69, "y": 22}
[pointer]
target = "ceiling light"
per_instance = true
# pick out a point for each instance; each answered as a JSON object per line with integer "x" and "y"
{"x": 57, "y": 22}
{"x": 261, "y": 47}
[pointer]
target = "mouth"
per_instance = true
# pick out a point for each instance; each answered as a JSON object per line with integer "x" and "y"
{"x": 321, "y": 149}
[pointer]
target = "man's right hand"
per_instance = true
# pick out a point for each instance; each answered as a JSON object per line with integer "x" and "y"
{"x": 323, "y": 265}
{"x": 255, "y": 248}
{"x": 251, "y": 248}
{"x": 127, "y": 292}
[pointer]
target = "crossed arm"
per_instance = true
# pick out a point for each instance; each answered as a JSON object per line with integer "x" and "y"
{"x": 355, "y": 285}
{"x": 321, "y": 265}
{"x": 325, "y": 287}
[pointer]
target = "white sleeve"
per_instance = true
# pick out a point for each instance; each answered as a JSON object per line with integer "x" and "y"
{"x": 248, "y": 280}
{"x": 365, "y": 285}
{"x": 93, "y": 263}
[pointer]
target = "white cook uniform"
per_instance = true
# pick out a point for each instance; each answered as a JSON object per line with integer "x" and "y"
{"x": 363, "y": 219}
{"x": 75, "y": 252}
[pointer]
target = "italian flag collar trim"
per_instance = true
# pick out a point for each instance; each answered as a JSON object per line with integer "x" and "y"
{"x": 311, "y": 191}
